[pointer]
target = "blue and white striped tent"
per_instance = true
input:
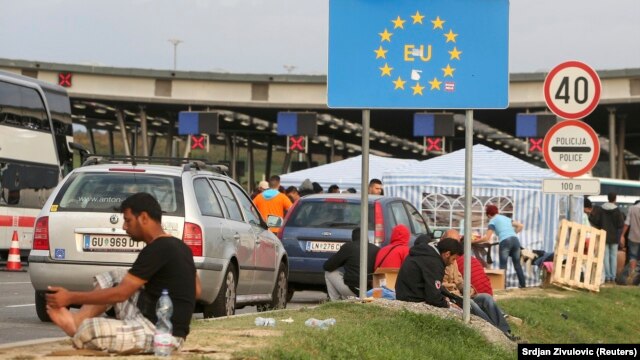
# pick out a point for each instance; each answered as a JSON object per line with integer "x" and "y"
{"x": 495, "y": 173}
{"x": 344, "y": 173}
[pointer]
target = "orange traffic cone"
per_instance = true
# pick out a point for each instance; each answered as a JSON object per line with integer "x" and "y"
{"x": 13, "y": 260}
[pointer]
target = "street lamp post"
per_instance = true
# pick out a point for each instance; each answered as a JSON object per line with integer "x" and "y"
{"x": 175, "y": 43}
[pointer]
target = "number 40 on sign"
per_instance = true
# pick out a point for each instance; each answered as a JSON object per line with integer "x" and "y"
{"x": 572, "y": 90}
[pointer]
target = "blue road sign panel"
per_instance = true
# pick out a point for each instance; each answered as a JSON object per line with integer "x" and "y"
{"x": 534, "y": 125}
{"x": 418, "y": 54}
{"x": 197, "y": 122}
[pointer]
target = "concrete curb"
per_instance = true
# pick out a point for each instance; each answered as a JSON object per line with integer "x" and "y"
{"x": 31, "y": 342}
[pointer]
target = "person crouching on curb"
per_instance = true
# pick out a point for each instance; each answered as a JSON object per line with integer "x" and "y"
{"x": 342, "y": 269}
{"x": 164, "y": 263}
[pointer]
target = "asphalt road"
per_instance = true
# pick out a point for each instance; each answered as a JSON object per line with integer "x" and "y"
{"x": 18, "y": 319}
{"x": 19, "y": 322}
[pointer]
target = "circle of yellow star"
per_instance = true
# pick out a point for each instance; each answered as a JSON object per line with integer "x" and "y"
{"x": 455, "y": 54}
{"x": 437, "y": 23}
{"x": 386, "y": 36}
{"x": 435, "y": 84}
{"x": 417, "y": 18}
{"x": 417, "y": 89}
{"x": 399, "y": 83}
{"x": 451, "y": 36}
{"x": 398, "y": 23}
{"x": 381, "y": 53}
{"x": 448, "y": 71}
{"x": 386, "y": 70}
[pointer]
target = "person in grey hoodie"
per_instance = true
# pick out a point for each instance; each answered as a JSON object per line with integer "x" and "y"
{"x": 608, "y": 217}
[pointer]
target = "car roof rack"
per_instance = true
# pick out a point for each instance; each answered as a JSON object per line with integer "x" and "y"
{"x": 202, "y": 165}
{"x": 188, "y": 163}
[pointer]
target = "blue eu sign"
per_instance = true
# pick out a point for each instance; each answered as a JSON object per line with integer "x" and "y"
{"x": 417, "y": 54}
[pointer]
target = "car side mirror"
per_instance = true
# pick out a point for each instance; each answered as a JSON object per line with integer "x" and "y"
{"x": 274, "y": 221}
{"x": 437, "y": 234}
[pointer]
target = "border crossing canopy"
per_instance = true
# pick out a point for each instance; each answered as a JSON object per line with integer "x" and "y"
{"x": 411, "y": 54}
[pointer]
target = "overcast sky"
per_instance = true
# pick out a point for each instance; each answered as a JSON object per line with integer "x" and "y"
{"x": 262, "y": 36}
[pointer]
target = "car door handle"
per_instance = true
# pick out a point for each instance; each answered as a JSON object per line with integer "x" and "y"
{"x": 258, "y": 241}
{"x": 236, "y": 237}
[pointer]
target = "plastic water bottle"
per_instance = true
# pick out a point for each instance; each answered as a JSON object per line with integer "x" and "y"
{"x": 163, "y": 338}
{"x": 260, "y": 321}
{"x": 322, "y": 324}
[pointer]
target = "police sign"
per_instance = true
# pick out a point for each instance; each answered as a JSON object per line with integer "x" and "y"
{"x": 571, "y": 148}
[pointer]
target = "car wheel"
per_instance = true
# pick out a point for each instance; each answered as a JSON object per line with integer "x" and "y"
{"x": 41, "y": 307}
{"x": 280, "y": 292}
{"x": 290, "y": 292}
{"x": 225, "y": 302}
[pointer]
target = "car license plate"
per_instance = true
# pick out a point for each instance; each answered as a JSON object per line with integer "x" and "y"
{"x": 323, "y": 246}
{"x": 119, "y": 243}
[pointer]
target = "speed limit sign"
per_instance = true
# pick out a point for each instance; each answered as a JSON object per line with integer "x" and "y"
{"x": 572, "y": 90}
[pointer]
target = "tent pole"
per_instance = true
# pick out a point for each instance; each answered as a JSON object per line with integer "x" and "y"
{"x": 364, "y": 208}
{"x": 468, "y": 155}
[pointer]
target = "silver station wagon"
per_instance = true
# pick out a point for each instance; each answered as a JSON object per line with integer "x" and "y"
{"x": 79, "y": 233}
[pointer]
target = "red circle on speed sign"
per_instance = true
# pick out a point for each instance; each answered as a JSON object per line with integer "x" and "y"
{"x": 572, "y": 90}
{"x": 571, "y": 148}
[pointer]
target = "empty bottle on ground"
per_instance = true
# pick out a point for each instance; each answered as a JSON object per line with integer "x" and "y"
{"x": 163, "y": 338}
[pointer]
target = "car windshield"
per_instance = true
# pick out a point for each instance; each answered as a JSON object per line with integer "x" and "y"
{"x": 323, "y": 214}
{"x": 106, "y": 191}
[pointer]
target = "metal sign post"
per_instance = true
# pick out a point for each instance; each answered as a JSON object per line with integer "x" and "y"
{"x": 364, "y": 199}
{"x": 468, "y": 152}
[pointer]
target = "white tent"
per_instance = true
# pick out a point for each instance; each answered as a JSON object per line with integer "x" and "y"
{"x": 436, "y": 186}
{"x": 344, "y": 173}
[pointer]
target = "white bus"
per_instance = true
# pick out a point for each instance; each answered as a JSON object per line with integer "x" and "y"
{"x": 35, "y": 131}
{"x": 627, "y": 191}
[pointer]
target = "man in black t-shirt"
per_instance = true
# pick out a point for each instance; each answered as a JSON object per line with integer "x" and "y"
{"x": 164, "y": 263}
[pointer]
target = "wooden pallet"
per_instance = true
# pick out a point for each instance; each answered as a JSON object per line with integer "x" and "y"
{"x": 572, "y": 260}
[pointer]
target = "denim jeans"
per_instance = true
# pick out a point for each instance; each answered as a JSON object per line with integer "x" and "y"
{"x": 510, "y": 248}
{"x": 484, "y": 306}
{"x": 610, "y": 261}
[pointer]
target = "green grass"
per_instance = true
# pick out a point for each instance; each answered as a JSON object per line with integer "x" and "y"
{"x": 369, "y": 332}
{"x": 580, "y": 317}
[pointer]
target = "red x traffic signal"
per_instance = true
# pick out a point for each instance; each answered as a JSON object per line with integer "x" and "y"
{"x": 535, "y": 144}
{"x": 197, "y": 142}
{"x": 433, "y": 144}
{"x": 297, "y": 143}
{"x": 64, "y": 79}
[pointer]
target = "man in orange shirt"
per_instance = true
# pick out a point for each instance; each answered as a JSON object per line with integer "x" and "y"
{"x": 272, "y": 201}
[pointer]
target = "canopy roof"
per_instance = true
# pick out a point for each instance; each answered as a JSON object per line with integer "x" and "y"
{"x": 345, "y": 173}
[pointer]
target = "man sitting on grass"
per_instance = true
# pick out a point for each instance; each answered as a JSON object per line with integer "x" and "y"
{"x": 164, "y": 263}
{"x": 421, "y": 275}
